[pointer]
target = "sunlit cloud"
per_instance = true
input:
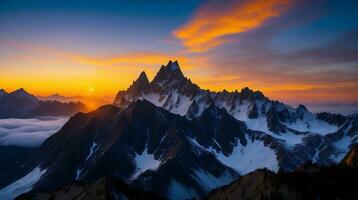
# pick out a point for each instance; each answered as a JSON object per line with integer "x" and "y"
{"x": 213, "y": 22}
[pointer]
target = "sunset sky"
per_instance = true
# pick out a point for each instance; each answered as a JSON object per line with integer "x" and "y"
{"x": 293, "y": 51}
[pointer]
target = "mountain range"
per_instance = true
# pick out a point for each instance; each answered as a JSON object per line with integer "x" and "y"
{"x": 173, "y": 139}
{"x": 21, "y": 104}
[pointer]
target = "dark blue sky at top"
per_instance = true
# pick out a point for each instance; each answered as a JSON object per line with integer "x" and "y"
{"x": 140, "y": 24}
{"x": 314, "y": 42}
{"x": 115, "y": 25}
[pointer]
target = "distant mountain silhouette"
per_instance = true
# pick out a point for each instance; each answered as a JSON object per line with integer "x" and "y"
{"x": 58, "y": 97}
{"x": 21, "y": 104}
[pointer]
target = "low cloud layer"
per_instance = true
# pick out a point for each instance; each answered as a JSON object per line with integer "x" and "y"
{"x": 28, "y": 132}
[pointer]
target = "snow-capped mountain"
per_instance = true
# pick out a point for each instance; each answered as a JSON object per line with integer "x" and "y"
{"x": 295, "y": 134}
{"x": 170, "y": 137}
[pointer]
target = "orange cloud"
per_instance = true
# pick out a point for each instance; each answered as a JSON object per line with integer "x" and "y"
{"x": 209, "y": 26}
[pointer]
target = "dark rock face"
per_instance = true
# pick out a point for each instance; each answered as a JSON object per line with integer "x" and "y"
{"x": 11, "y": 159}
{"x": 273, "y": 121}
{"x": 351, "y": 159}
{"x": 21, "y": 104}
{"x": 335, "y": 119}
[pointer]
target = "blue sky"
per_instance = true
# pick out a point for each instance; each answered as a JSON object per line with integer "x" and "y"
{"x": 292, "y": 50}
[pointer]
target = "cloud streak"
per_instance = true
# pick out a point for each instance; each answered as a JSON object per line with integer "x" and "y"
{"x": 214, "y": 21}
{"x": 130, "y": 59}
{"x": 28, "y": 132}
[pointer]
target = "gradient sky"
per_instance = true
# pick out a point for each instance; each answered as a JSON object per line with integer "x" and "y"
{"x": 294, "y": 51}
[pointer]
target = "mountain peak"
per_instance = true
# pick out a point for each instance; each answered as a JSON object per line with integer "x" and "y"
{"x": 21, "y": 91}
{"x": 302, "y": 108}
{"x": 139, "y": 85}
{"x": 247, "y": 93}
{"x": 143, "y": 78}
{"x": 169, "y": 72}
{"x": 173, "y": 65}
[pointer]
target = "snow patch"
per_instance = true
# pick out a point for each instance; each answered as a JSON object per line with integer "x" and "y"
{"x": 154, "y": 98}
{"x": 22, "y": 185}
{"x": 254, "y": 155}
{"x": 173, "y": 102}
{"x": 192, "y": 140}
{"x": 78, "y": 173}
{"x": 313, "y": 125}
{"x": 92, "y": 150}
{"x": 144, "y": 162}
{"x": 183, "y": 105}
{"x": 290, "y": 138}
{"x": 259, "y": 124}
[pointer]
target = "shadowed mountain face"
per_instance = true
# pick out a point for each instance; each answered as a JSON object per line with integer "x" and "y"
{"x": 11, "y": 159}
{"x": 308, "y": 182}
{"x": 176, "y": 140}
{"x": 56, "y": 108}
{"x": 17, "y": 104}
{"x": 21, "y": 104}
